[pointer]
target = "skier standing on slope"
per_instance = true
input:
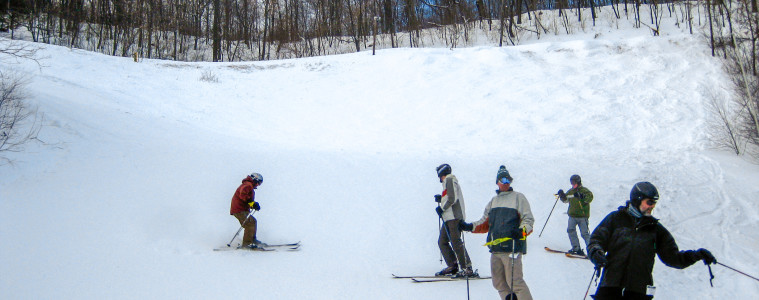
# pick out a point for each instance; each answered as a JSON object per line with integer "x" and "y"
{"x": 242, "y": 202}
{"x": 624, "y": 245}
{"x": 507, "y": 220}
{"x": 579, "y": 198}
{"x": 451, "y": 210}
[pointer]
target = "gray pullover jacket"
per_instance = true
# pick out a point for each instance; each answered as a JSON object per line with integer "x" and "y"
{"x": 452, "y": 200}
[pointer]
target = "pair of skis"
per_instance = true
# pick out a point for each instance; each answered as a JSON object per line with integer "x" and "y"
{"x": 432, "y": 278}
{"x": 566, "y": 253}
{"x": 264, "y": 248}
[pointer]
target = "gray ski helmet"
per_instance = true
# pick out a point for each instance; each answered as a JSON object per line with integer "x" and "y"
{"x": 257, "y": 178}
{"x": 575, "y": 179}
{"x": 443, "y": 170}
{"x": 643, "y": 190}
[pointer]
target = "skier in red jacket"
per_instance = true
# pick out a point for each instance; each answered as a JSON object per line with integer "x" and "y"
{"x": 242, "y": 201}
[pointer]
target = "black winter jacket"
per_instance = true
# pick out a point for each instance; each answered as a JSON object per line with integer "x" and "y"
{"x": 630, "y": 244}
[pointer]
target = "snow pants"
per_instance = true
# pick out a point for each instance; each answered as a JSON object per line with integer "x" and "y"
{"x": 501, "y": 270}
{"x": 582, "y": 223}
{"x": 250, "y": 227}
{"x": 457, "y": 253}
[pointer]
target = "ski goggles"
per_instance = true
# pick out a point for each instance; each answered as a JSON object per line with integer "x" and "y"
{"x": 504, "y": 180}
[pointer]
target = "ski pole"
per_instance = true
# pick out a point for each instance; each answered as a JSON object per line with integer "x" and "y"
{"x": 438, "y": 227}
{"x": 512, "y": 295}
{"x": 463, "y": 243}
{"x": 549, "y": 215}
{"x": 241, "y": 227}
{"x": 595, "y": 271}
{"x": 739, "y": 272}
{"x": 447, "y": 233}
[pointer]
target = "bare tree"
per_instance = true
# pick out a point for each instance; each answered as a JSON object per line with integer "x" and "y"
{"x": 18, "y": 123}
{"x": 722, "y": 130}
{"x": 12, "y": 51}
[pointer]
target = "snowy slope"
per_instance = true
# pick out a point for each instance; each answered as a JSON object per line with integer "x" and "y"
{"x": 133, "y": 190}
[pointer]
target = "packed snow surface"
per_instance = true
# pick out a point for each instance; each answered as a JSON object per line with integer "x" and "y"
{"x": 131, "y": 190}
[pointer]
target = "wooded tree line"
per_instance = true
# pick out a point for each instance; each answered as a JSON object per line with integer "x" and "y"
{"x": 234, "y": 30}
{"x": 267, "y": 29}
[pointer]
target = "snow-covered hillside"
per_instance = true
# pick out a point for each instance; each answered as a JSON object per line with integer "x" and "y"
{"x": 132, "y": 192}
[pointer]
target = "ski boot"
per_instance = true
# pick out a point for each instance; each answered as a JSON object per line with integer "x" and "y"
{"x": 248, "y": 247}
{"x": 259, "y": 243}
{"x": 576, "y": 252}
{"x": 467, "y": 273}
{"x": 449, "y": 271}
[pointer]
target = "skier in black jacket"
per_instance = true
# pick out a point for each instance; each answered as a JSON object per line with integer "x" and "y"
{"x": 624, "y": 245}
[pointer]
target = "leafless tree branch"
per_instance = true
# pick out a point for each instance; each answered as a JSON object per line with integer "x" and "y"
{"x": 19, "y": 125}
{"x": 722, "y": 129}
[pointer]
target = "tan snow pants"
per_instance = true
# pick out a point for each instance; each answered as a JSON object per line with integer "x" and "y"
{"x": 500, "y": 268}
{"x": 250, "y": 227}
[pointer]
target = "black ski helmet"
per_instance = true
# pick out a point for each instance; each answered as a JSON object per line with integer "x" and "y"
{"x": 443, "y": 170}
{"x": 575, "y": 179}
{"x": 643, "y": 190}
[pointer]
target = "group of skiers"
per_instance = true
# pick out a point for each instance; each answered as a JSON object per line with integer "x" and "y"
{"x": 622, "y": 247}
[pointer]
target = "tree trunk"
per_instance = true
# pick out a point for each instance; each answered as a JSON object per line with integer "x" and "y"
{"x": 216, "y": 31}
{"x": 711, "y": 30}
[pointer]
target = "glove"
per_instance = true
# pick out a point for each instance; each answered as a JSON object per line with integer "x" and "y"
{"x": 598, "y": 259}
{"x": 464, "y": 226}
{"x": 439, "y": 211}
{"x": 438, "y": 198}
{"x": 254, "y": 205}
{"x": 562, "y": 196}
{"x": 706, "y": 256}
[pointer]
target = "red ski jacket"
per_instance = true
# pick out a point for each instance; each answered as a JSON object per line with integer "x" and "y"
{"x": 243, "y": 195}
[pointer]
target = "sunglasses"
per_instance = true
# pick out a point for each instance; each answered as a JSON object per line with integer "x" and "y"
{"x": 505, "y": 180}
{"x": 650, "y": 202}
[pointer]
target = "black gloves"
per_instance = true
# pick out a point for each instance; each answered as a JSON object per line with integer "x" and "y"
{"x": 439, "y": 211}
{"x": 701, "y": 254}
{"x": 562, "y": 196}
{"x": 706, "y": 256}
{"x": 598, "y": 259}
{"x": 438, "y": 198}
{"x": 256, "y": 206}
{"x": 464, "y": 226}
